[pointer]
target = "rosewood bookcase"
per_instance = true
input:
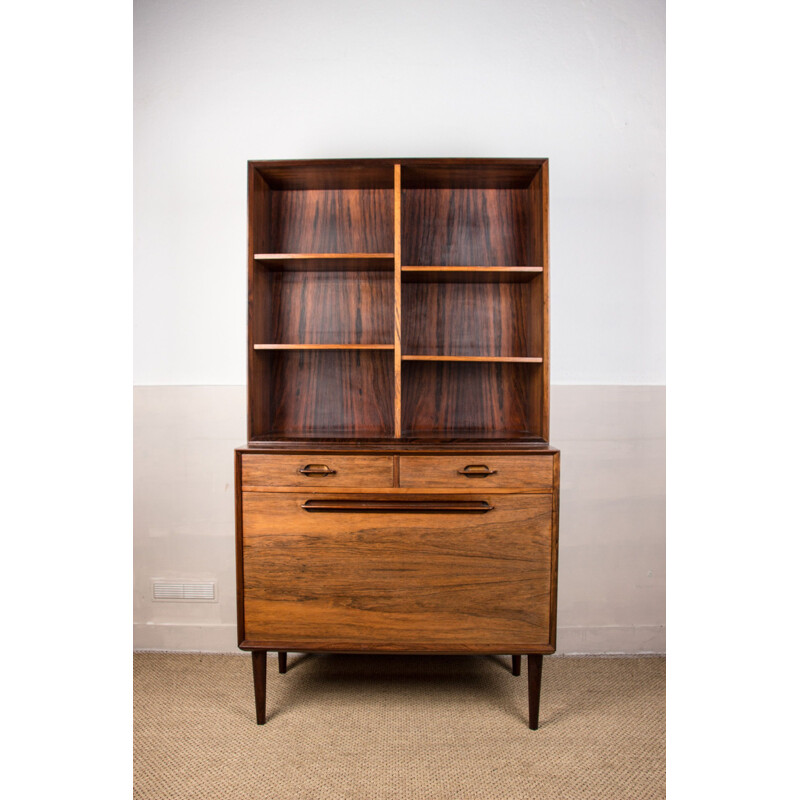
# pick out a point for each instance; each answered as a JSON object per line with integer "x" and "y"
{"x": 398, "y": 493}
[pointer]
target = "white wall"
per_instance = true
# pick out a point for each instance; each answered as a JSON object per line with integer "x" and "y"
{"x": 218, "y": 82}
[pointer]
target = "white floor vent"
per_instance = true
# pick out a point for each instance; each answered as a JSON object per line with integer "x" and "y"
{"x": 184, "y": 591}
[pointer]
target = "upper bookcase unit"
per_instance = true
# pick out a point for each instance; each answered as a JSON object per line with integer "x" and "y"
{"x": 398, "y": 299}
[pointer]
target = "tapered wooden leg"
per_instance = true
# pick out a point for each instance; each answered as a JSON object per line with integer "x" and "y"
{"x": 516, "y": 665}
{"x": 260, "y": 684}
{"x": 534, "y": 690}
{"x": 282, "y": 661}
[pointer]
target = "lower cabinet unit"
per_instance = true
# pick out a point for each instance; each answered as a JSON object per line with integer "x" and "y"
{"x": 354, "y": 565}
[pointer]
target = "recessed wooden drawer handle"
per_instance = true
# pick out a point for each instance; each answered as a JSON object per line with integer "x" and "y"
{"x": 477, "y": 471}
{"x": 316, "y": 469}
{"x": 399, "y": 506}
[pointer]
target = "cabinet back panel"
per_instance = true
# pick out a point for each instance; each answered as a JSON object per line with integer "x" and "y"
{"x": 467, "y": 227}
{"x": 329, "y": 392}
{"x": 467, "y": 319}
{"x": 441, "y": 398}
{"x": 331, "y": 221}
{"x": 330, "y": 307}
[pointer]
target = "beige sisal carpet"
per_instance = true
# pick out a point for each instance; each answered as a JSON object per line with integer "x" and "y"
{"x": 353, "y": 727}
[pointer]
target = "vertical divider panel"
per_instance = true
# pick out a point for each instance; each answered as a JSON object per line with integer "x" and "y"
{"x": 398, "y": 293}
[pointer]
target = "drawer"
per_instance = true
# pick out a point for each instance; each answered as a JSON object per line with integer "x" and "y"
{"x": 398, "y": 573}
{"x": 476, "y": 472}
{"x": 324, "y": 471}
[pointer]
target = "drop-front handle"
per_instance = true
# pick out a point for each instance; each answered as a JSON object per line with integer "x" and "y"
{"x": 398, "y": 506}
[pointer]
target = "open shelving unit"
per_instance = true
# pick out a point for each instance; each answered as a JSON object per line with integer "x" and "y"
{"x": 398, "y": 299}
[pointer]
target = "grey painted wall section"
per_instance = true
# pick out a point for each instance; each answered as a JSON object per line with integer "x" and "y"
{"x": 611, "y": 583}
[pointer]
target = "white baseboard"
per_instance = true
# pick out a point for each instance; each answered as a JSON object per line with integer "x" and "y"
{"x": 185, "y": 638}
{"x": 612, "y": 640}
{"x": 602, "y": 640}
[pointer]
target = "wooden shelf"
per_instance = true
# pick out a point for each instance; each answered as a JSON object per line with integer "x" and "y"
{"x": 470, "y": 274}
{"x": 506, "y": 359}
{"x": 323, "y": 347}
{"x": 468, "y": 435}
{"x": 325, "y": 262}
{"x": 315, "y": 256}
{"x": 473, "y": 269}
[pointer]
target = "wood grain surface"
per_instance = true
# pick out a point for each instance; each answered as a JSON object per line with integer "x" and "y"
{"x": 344, "y": 261}
{"x": 335, "y": 173}
{"x": 481, "y": 275}
{"x": 333, "y": 249}
{"x": 467, "y": 319}
{"x": 331, "y": 307}
{"x": 323, "y": 347}
{"x": 450, "y": 398}
{"x": 346, "y": 471}
{"x": 329, "y": 392}
{"x": 470, "y": 173}
{"x": 540, "y": 232}
{"x": 332, "y": 221}
{"x": 398, "y": 302}
{"x": 397, "y": 582}
{"x": 466, "y": 227}
{"x": 509, "y": 472}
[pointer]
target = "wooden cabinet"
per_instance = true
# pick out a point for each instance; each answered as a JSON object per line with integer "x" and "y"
{"x": 398, "y": 493}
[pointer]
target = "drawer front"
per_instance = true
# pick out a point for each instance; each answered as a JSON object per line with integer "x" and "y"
{"x": 476, "y": 472}
{"x": 402, "y": 573}
{"x": 323, "y": 471}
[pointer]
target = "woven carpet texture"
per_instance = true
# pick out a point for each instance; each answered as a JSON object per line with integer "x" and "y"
{"x": 348, "y": 727}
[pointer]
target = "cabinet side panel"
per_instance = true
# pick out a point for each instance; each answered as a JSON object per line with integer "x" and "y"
{"x": 554, "y": 556}
{"x": 258, "y": 309}
{"x": 237, "y": 477}
{"x": 540, "y": 301}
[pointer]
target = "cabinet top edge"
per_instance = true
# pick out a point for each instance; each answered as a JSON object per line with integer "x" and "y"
{"x": 256, "y": 163}
{"x": 400, "y": 448}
